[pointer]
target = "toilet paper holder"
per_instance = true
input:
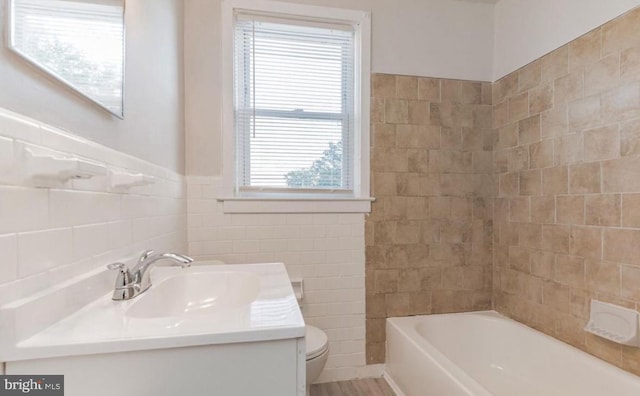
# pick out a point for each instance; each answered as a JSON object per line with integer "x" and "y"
{"x": 298, "y": 289}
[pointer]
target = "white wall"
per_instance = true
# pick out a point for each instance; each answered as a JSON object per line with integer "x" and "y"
{"x": 437, "y": 38}
{"x": 525, "y": 29}
{"x": 153, "y": 128}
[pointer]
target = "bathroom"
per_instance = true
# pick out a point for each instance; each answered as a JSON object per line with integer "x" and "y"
{"x": 495, "y": 166}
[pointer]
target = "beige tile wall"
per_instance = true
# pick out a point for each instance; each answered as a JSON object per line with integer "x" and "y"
{"x": 567, "y": 206}
{"x": 563, "y": 147}
{"x": 429, "y": 236}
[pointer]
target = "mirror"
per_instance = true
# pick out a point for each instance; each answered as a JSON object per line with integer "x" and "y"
{"x": 78, "y": 42}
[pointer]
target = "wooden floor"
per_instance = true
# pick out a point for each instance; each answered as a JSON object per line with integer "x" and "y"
{"x": 359, "y": 387}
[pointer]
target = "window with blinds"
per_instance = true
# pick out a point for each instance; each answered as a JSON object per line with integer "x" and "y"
{"x": 294, "y": 105}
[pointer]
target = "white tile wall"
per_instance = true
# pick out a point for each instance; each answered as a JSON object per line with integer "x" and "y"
{"x": 23, "y": 209}
{"x": 41, "y": 250}
{"x": 48, "y": 235}
{"x": 327, "y": 250}
{"x": 69, "y": 208}
{"x": 90, "y": 240}
{"x": 9, "y": 249}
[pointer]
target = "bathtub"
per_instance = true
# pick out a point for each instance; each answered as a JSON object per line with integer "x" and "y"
{"x": 484, "y": 353}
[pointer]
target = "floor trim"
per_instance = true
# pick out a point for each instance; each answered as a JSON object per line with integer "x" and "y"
{"x": 392, "y": 384}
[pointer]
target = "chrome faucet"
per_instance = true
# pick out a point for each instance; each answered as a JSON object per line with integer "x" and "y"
{"x": 131, "y": 283}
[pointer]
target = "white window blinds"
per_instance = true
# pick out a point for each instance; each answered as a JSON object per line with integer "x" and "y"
{"x": 294, "y": 105}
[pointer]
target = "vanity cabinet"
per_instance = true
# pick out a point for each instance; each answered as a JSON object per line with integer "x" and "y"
{"x": 266, "y": 368}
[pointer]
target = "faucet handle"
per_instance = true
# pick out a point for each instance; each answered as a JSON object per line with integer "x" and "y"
{"x": 145, "y": 255}
{"x": 117, "y": 266}
{"x": 124, "y": 289}
{"x": 124, "y": 276}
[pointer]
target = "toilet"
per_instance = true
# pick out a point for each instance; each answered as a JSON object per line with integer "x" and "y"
{"x": 317, "y": 346}
{"x": 316, "y": 341}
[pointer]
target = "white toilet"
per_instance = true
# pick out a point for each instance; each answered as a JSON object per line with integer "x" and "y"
{"x": 317, "y": 346}
{"x": 316, "y": 341}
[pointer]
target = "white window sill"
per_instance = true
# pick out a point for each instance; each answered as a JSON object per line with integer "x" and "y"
{"x": 296, "y": 205}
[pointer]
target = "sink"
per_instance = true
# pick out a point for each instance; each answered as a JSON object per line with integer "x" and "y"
{"x": 196, "y": 293}
{"x": 221, "y": 323}
{"x": 198, "y": 306}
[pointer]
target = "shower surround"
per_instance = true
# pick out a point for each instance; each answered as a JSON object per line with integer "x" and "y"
{"x": 522, "y": 195}
{"x": 429, "y": 235}
{"x": 567, "y": 207}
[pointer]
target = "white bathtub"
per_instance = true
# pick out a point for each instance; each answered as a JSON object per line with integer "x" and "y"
{"x": 484, "y": 353}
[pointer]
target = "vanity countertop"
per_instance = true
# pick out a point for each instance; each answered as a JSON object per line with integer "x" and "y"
{"x": 107, "y": 326}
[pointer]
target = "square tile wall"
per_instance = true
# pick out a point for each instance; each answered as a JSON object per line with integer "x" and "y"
{"x": 429, "y": 235}
{"x": 567, "y": 167}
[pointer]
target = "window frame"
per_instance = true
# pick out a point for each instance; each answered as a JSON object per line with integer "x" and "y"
{"x": 256, "y": 200}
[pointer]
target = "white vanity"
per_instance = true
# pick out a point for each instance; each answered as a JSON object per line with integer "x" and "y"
{"x": 204, "y": 330}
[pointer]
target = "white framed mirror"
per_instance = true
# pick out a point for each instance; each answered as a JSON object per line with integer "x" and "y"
{"x": 80, "y": 43}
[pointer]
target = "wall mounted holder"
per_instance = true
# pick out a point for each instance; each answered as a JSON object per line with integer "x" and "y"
{"x": 298, "y": 288}
{"x": 45, "y": 165}
{"x": 123, "y": 179}
{"x": 614, "y": 323}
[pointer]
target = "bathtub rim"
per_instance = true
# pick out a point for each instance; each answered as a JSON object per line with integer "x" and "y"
{"x": 438, "y": 359}
{"x": 404, "y": 323}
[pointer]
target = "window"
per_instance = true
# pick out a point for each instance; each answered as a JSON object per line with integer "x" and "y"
{"x": 293, "y": 105}
{"x": 298, "y": 118}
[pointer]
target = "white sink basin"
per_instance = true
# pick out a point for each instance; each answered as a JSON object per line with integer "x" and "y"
{"x": 196, "y": 293}
{"x": 200, "y": 305}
